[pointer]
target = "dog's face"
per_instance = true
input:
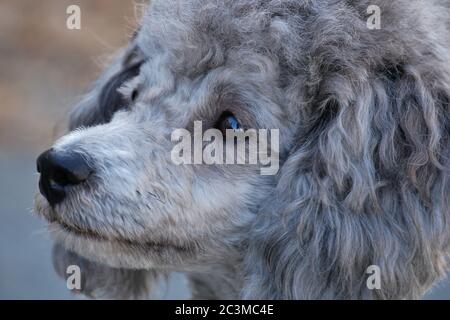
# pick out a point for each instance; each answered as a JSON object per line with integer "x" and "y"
{"x": 363, "y": 148}
{"x": 133, "y": 206}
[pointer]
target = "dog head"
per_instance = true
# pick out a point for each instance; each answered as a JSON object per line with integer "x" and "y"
{"x": 363, "y": 146}
{"x": 111, "y": 185}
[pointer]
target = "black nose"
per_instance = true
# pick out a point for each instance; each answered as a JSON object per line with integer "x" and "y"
{"x": 59, "y": 170}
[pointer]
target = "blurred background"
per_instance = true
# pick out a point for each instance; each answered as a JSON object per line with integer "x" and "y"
{"x": 44, "y": 68}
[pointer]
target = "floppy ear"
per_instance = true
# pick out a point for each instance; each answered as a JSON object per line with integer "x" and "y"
{"x": 366, "y": 184}
{"x": 103, "y": 99}
{"x": 101, "y": 281}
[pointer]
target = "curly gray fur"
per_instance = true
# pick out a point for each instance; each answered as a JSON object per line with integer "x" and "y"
{"x": 364, "y": 122}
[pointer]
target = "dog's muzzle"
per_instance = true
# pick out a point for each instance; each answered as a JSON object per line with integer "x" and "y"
{"x": 60, "y": 170}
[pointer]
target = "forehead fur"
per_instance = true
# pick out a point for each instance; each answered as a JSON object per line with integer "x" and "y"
{"x": 198, "y": 34}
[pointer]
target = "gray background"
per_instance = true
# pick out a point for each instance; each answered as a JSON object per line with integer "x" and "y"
{"x": 43, "y": 69}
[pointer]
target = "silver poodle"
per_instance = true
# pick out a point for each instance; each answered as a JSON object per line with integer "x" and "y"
{"x": 363, "y": 116}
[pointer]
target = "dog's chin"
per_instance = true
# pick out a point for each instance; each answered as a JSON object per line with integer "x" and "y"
{"x": 113, "y": 251}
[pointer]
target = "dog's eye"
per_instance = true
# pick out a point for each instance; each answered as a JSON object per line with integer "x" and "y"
{"x": 134, "y": 94}
{"x": 129, "y": 91}
{"x": 228, "y": 121}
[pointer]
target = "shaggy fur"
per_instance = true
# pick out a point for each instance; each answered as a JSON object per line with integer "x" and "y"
{"x": 364, "y": 168}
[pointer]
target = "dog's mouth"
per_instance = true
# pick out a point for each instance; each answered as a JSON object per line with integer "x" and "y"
{"x": 92, "y": 235}
{"x": 80, "y": 232}
{"x": 58, "y": 225}
{"x": 120, "y": 253}
{"x": 113, "y": 249}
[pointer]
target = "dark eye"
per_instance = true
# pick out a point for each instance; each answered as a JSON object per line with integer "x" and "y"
{"x": 228, "y": 121}
{"x": 134, "y": 95}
